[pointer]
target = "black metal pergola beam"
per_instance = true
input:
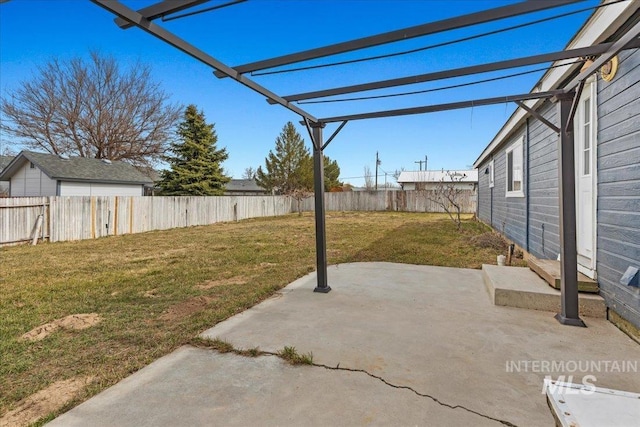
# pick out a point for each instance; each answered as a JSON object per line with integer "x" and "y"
{"x": 442, "y": 107}
{"x": 569, "y": 302}
{"x": 140, "y": 21}
{"x": 464, "y": 71}
{"x": 159, "y": 10}
{"x": 481, "y": 17}
{"x": 538, "y": 116}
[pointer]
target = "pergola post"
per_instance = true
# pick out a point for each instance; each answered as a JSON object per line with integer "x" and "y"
{"x": 318, "y": 184}
{"x": 567, "y": 197}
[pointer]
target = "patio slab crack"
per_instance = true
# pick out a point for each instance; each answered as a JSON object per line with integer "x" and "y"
{"x": 404, "y": 387}
{"x": 292, "y": 357}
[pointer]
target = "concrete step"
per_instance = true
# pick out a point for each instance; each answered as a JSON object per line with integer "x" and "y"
{"x": 549, "y": 270}
{"x": 522, "y": 288}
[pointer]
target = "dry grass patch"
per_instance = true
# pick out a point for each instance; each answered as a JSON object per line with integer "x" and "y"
{"x": 187, "y": 268}
{"x": 186, "y": 308}
{"x": 208, "y": 284}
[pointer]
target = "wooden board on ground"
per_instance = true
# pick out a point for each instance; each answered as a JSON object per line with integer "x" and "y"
{"x": 549, "y": 270}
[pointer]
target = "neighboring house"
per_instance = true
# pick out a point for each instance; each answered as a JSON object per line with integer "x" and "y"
{"x": 519, "y": 178}
{"x": 244, "y": 187}
{"x": 4, "y": 185}
{"x": 430, "y": 180}
{"x": 40, "y": 174}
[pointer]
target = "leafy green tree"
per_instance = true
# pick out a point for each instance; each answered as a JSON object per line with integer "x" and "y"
{"x": 196, "y": 163}
{"x": 289, "y": 169}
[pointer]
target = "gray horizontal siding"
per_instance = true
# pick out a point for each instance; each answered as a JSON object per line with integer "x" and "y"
{"x": 484, "y": 194}
{"x": 508, "y": 215}
{"x": 618, "y": 241}
{"x": 544, "y": 240}
{"x": 618, "y": 172}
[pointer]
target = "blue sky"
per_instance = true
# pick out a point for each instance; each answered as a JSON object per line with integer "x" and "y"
{"x": 34, "y": 31}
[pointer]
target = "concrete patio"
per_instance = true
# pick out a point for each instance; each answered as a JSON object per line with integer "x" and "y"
{"x": 413, "y": 345}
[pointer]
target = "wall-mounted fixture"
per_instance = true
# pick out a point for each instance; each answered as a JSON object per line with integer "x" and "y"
{"x": 486, "y": 171}
{"x": 608, "y": 71}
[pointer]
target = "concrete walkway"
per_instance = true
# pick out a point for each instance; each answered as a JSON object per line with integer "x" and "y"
{"x": 414, "y": 345}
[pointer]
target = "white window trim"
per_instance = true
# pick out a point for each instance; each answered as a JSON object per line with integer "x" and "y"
{"x": 492, "y": 176}
{"x": 518, "y": 145}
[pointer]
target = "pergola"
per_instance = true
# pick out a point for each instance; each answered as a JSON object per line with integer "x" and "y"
{"x": 566, "y": 99}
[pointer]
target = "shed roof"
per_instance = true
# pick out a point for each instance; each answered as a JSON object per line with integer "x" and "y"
{"x": 244, "y": 185}
{"x": 439, "y": 176}
{"x": 77, "y": 169}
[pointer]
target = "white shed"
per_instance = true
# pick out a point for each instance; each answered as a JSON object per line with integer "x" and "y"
{"x": 41, "y": 174}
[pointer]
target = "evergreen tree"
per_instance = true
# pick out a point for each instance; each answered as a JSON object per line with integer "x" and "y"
{"x": 290, "y": 168}
{"x": 196, "y": 168}
{"x": 331, "y": 174}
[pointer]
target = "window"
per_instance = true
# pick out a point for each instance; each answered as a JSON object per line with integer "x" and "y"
{"x": 31, "y": 165}
{"x": 514, "y": 170}
{"x": 491, "y": 175}
{"x": 586, "y": 142}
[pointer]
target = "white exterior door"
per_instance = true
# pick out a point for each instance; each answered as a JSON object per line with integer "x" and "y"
{"x": 585, "y": 132}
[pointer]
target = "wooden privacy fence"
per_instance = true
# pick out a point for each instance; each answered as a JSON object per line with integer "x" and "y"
{"x": 78, "y": 218}
{"x": 19, "y": 216}
{"x": 390, "y": 200}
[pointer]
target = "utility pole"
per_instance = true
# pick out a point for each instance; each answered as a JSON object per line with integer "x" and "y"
{"x": 377, "y": 164}
{"x": 420, "y": 162}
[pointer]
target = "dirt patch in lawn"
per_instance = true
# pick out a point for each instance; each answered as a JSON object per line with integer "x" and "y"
{"x": 73, "y": 321}
{"x": 186, "y": 308}
{"x": 237, "y": 280}
{"x": 44, "y": 402}
{"x": 151, "y": 293}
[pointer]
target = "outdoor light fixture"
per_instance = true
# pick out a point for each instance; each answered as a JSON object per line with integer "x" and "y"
{"x": 608, "y": 71}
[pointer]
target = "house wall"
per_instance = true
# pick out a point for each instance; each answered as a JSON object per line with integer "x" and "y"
{"x": 99, "y": 189}
{"x": 505, "y": 214}
{"x": 618, "y": 191}
{"x": 31, "y": 182}
{"x": 544, "y": 211}
{"x": 618, "y": 174}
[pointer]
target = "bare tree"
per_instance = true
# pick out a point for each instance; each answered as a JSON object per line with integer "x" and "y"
{"x": 396, "y": 173}
{"x": 447, "y": 195}
{"x": 368, "y": 178}
{"x": 249, "y": 173}
{"x": 92, "y": 109}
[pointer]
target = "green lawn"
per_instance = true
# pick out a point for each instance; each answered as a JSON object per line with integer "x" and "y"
{"x": 158, "y": 290}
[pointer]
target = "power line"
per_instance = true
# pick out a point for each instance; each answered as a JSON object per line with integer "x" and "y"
{"x": 433, "y": 46}
{"x": 416, "y": 92}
